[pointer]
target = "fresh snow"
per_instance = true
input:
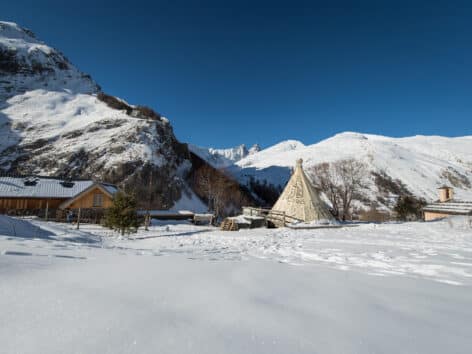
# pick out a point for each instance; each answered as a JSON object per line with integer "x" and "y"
{"x": 180, "y": 288}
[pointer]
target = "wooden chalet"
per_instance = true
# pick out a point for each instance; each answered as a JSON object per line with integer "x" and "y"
{"x": 39, "y": 193}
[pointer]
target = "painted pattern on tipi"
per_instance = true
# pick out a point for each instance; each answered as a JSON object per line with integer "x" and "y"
{"x": 300, "y": 200}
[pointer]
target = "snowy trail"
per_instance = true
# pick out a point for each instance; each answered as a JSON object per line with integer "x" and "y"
{"x": 390, "y": 288}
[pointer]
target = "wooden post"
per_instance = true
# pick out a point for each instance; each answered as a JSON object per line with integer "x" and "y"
{"x": 147, "y": 219}
{"x": 78, "y": 219}
{"x": 47, "y": 210}
{"x": 284, "y": 218}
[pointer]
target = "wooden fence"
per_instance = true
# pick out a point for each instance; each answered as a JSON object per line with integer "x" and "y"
{"x": 87, "y": 215}
{"x": 277, "y": 218}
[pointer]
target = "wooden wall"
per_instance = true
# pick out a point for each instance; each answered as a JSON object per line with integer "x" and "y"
{"x": 29, "y": 203}
{"x": 428, "y": 215}
{"x": 86, "y": 201}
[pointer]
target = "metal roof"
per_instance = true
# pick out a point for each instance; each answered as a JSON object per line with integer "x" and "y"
{"x": 452, "y": 207}
{"x": 110, "y": 188}
{"x": 40, "y": 187}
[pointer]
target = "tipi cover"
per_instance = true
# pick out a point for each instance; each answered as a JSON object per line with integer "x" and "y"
{"x": 300, "y": 199}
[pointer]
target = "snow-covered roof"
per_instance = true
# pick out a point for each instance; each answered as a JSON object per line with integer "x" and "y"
{"x": 41, "y": 187}
{"x": 452, "y": 207}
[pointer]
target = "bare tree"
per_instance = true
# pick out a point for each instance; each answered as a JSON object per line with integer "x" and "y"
{"x": 222, "y": 194}
{"x": 204, "y": 184}
{"x": 325, "y": 179}
{"x": 213, "y": 185}
{"x": 340, "y": 181}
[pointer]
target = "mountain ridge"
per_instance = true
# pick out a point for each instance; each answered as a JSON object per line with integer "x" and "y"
{"x": 416, "y": 165}
{"x": 55, "y": 120}
{"x": 222, "y": 158}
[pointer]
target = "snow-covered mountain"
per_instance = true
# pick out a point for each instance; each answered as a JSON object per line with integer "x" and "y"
{"x": 28, "y": 64}
{"x": 222, "y": 158}
{"x": 54, "y": 120}
{"x": 420, "y": 163}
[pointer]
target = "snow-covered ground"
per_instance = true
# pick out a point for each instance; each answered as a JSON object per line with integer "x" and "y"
{"x": 179, "y": 288}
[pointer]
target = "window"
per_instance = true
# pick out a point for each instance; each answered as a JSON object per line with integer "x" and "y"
{"x": 98, "y": 200}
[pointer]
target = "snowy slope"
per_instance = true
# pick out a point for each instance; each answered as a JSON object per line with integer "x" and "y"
{"x": 222, "y": 158}
{"x": 55, "y": 121}
{"x": 55, "y": 112}
{"x": 422, "y": 163}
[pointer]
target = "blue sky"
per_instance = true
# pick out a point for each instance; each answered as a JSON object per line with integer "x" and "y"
{"x": 231, "y": 72}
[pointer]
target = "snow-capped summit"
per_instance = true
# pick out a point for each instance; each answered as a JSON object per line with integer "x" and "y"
{"x": 253, "y": 149}
{"x": 234, "y": 154}
{"x": 222, "y": 158}
{"x": 272, "y": 153}
{"x": 26, "y": 63}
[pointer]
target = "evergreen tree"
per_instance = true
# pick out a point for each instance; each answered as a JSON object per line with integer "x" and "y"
{"x": 409, "y": 208}
{"x": 122, "y": 215}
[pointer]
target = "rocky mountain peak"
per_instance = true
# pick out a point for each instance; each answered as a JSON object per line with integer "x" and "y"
{"x": 27, "y": 63}
{"x": 54, "y": 120}
{"x": 254, "y": 149}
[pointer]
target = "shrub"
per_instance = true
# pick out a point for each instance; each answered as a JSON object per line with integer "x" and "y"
{"x": 143, "y": 112}
{"x": 409, "y": 208}
{"x": 114, "y": 102}
{"x": 147, "y": 113}
{"x": 122, "y": 215}
{"x": 387, "y": 184}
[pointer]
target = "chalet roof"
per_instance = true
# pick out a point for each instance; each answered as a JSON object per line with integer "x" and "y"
{"x": 43, "y": 187}
{"x": 106, "y": 188}
{"x": 110, "y": 188}
{"x": 453, "y": 207}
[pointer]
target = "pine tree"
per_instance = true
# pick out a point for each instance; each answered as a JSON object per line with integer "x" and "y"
{"x": 409, "y": 208}
{"x": 122, "y": 215}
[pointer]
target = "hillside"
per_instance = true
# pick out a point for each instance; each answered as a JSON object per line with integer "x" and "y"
{"x": 54, "y": 120}
{"x": 419, "y": 163}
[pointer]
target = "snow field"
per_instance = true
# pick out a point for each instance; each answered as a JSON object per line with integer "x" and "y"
{"x": 180, "y": 288}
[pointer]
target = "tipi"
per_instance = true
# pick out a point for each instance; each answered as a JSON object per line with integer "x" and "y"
{"x": 300, "y": 200}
